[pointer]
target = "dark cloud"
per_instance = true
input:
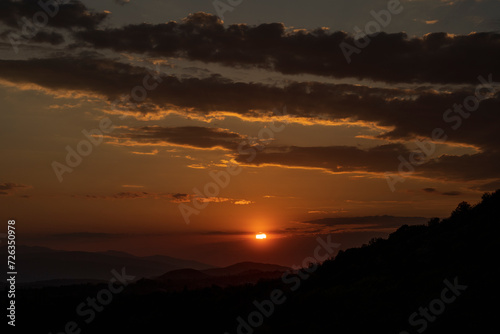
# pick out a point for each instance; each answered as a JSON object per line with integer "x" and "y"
{"x": 10, "y": 186}
{"x": 452, "y": 193}
{"x": 285, "y": 231}
{"x": 336, "y": 159}
{"x": 7, "y": 188}
{"x": 469, "y": 167}
{"x": 52, "y": 38}
{"x": 410, "y": 112}
{"x": 333, "y": 158}
{"x": 379, "y": 159}
{"x": 176, "y": 198}
{"x": 446, "y": 193}
{"x": 223, "y": 233}
{"x": 180, "y": 196}
{"x": 200, "y": 137}
{"x": 435, "y": 58}
{"x": 131, "y": 195}
{"x": 173, "y": 198}
{"x": 490, "y": 186}
{"x": 377, "y": 222}
{"x": 73, "y": 14}
{"x": 113, "y": 79}
{"x": 303, "y": 230}
{"x": 86, "y": 74}
{"x": 83, "y": 235}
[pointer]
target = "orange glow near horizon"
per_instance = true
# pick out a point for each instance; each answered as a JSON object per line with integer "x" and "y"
{"x": 261, "y": 236}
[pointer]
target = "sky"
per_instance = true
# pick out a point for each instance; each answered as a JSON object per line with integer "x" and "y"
{"x": 185, "y": 128}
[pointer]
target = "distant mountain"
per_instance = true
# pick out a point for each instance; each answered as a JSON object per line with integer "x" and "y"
{"x": 232, "y": 270}
{"x": 236, "y": 274}
{"x": 183, "y": 274}
{"x": 383, "y": 221}
{"x": 242, "y": 267}
{"x": 40, "y": 264}
{"x": 61, "y": 282}
{"x": 117, "y": 253}
{"x": 20, "y": 249}
{"x": 180, "y": 263}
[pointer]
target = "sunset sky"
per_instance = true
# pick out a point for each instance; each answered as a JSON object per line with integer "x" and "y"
{"x": 316, "y": 140}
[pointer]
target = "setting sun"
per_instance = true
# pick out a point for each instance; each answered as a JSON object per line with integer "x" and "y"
{"x": 260, "y": 236}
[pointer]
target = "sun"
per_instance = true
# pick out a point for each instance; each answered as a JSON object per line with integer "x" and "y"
{"x": 261, "y": 236}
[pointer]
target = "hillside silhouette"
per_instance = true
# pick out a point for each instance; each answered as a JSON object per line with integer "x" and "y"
{"x": 371, "y": 289}
{"x": 236, "y": 274}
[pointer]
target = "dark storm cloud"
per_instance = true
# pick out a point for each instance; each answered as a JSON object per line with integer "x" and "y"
{"x": 73, "y": 14}
{"x": 200, "y": 137}
{"x": 429, "y": 190}
{"x": 435, "y": 58}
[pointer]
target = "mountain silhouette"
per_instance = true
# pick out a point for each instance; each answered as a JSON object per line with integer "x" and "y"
{"x": 44, "y": 264}
{"x": 183, "y": 274}
{"x": 236, "y": 274}
{"x": 242, "y": 267}
{"x": 235, "y": 269}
